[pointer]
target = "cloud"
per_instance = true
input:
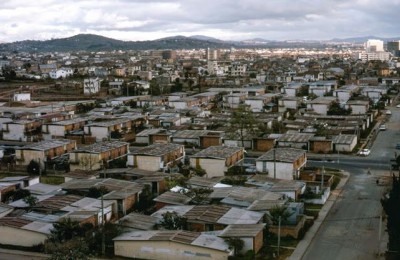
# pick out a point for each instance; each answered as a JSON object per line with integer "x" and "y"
{"x": 225, "y": 19}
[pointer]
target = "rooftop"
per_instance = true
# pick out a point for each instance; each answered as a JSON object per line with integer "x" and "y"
{"x": 173, "y": 198}
{"x": 47, "y": 145}
{"x": 218, "y": 152}
{"x": 157, "y": 149}
{"x": 101, "y": 147}
{"x": 242, "y": 230}
{"x": 282, "y": 155}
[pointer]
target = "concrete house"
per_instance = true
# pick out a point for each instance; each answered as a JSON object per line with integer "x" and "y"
{"x": 171, "y": 245}
{"x": 97, "y": 155}
{"x": 22, "y": 130}
{"x": 18, "y": 231}
{"x": 153, "y": 135}
{"x": 292, "y": 89}
{"x": 295, "y": 140}
{"x": 257, "y": 103}
{"x": 43, "y": 151}
{"x": 103, "y": 130}
{"x": 202, "y": 218}
{"x": 184, "y": 103}
{"x": 91, "y": 86}
{"x": 216, "y": 160}
{"x": 234, "y": 100}
{"x": 321, "y": 105}
{"x": 320, "y": 88}
{"x": 344, "y": 143}
{"x": 282, "y": 163}
{"x": 60, "y": 129}
{"x": 290, "y": 102}
{"x": 374, "y": 92}
{"x": 344, "y": 93}
{"x": 358, "y": 107}
{"x": 251, "y": 234}
{"x": 157, "y": 156}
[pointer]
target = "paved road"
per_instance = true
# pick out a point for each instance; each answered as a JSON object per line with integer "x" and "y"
{"x": 350, "y": 230}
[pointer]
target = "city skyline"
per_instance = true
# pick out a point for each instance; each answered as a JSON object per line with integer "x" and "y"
{"x": 225, "y": 20}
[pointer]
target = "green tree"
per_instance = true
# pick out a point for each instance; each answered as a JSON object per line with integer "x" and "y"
{"x": 95, "y": 192}
{"x": 16, "y": 195}
{"x": 65, "y": 230}
{"x": 243, "y": 123}
{"x": 235, "y": 243}
{"x": 172, "y": 221}
{"x": 279, "y": 211}
{"x": 30, "y": 200}
{"x": 33, "y": 167}
{"x": 336, "y": 109}
{"x": 75, "y": 248}
{"x": 390, "y": 205}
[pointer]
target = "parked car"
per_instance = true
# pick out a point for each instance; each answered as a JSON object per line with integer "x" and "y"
{"x": 398, "y": 146}
{"x": 398, "y": 106}
{"x": 382, "y": 127}
{"x": 364, "y": 152}
{"x": 388, "y": 112}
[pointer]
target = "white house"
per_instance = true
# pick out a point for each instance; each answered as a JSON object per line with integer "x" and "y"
{"x": 320, "y": 88}
{"x": 61, "y": 73}
{"x": 282, "y": 163}
{"x": 22, "y": 97}
{"x": 321, "y": 105}
{"x": 344, "y": 93}
{"x": 358, "y": 106}
{"x": 344, "y": 143}
{"x": 91, "y": 86}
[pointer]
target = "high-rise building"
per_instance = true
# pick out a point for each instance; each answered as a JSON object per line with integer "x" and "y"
{"x": 211, "y": 54}
{"x": 394, "y": 48}
{"x": 373, "y": 45}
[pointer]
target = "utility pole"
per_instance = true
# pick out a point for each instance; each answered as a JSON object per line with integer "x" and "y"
{"x": 274, "y": 163}
{"x": 379, "y": 236}
{"x": 279, "y": 234}
{"x": 322, "y": 179}
{"x": 103, "y": 238}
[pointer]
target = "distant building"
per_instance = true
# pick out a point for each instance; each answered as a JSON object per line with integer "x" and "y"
{"x": 91, "y": 86}
{"x": 374, "y": 45}
{"x": 394, "y": 48}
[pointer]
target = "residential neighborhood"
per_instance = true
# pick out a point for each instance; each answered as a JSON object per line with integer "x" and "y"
{"x": 185, "y": 154}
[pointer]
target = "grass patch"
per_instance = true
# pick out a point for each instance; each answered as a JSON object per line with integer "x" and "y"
{"x": 54, "y": 180}
{"x": 312, "y": 206}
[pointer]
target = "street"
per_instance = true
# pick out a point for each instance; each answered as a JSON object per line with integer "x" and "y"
{"x": 351, "y": 228}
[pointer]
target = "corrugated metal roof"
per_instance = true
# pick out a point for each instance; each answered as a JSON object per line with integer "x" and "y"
{"x": 242, "y": 230}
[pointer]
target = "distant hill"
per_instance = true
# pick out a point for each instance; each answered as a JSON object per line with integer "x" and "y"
{"x": 91, "y": 42}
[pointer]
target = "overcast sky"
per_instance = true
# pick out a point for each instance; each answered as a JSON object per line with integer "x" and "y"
{"x": 222, "y": 19}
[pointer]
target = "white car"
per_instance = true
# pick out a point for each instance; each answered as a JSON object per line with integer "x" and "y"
{"x": 364, "y": 152}
{"x": 388, "y": 112}
{"x": 398, "y": 106}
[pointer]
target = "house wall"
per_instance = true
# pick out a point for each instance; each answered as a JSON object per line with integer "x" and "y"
{"x": 263, "y": 144}
{"x": 321, "y": 146}
{"x": 258, "y": 241}
{"x": 20, "y": 237}
{"x": 319, "y": 108}
{"x": 167, "y": 250}
{"x": 96, "y": 131}
{"x": 207, "y": 141}
{"x": 255, "y": 105}
{"x": 283, "y": 170}
{"x": 355, "y": 109}
{"x": 162, "y": 138}
{"x": 213, "y": 167}
{"x": 14, "y": 132}
{"x": 48, "y": 131}
{"x": 287, "y": 230}
{"x": 85, "y": 161}
{"x": 149, "y": 163}
{"x": 292, "y": 104}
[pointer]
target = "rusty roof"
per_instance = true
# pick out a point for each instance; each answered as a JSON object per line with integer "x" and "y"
{"x": 17, "y": 222}
{"x": 206, "y": 213}
{"x": 58, "y": 201}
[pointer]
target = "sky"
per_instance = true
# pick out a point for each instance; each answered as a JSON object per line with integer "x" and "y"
{"x": 135, "y": 20}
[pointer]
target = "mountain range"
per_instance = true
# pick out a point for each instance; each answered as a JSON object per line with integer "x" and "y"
{"x": 91, "y": 42}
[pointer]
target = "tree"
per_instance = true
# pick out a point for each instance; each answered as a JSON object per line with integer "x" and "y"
{"x": 279, "y": 211}
{"x": 33, "y": 167}
{"x": 336, "y": 109}
{"x": 172, "y": 221}
{"x": 30, "y": 200}
{"x": 76, "y": 248}
{"x": 95, "y": 192}
{"x": 65, "y": 230}
{"x": 236, "y": 243}
{"x": 390, "y": 205}
{"x": 243, "y": 123}
{"x": 16, "y": 195}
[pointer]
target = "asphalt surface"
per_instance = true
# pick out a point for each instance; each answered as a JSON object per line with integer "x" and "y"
{"x": 350, "y": 230}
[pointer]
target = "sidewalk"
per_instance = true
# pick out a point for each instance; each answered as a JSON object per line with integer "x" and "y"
{"x": 306, "y": 241}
